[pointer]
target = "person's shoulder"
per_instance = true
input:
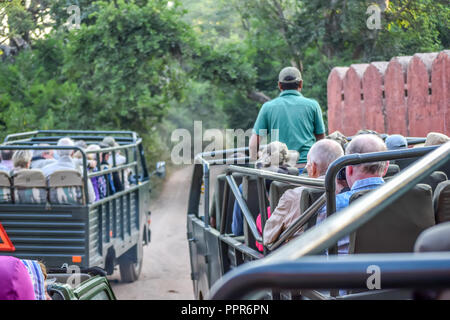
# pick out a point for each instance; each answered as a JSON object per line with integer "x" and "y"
{"x": 311, "y": 101}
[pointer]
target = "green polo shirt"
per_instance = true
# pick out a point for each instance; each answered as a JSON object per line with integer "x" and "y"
{"x": 297, "y": 118}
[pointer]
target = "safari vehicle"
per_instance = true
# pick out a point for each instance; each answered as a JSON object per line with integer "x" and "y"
{"x": 62, "y": 233}
{"x": 91, "y": 288}
{"x": 383, "y": 228}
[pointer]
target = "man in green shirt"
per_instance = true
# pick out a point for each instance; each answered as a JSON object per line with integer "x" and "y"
{"x": 291, "y": 118}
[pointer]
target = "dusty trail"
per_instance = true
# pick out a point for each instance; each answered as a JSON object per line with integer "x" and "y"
{"x": 166, "y": 270}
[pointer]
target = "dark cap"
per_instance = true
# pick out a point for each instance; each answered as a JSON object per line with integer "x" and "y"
{"x": 290, "y": 75}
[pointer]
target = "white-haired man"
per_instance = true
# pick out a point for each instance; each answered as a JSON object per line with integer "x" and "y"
{"x": 365, "y": 176}
{"x": 65, "y": 162}
{"x": 42, "y": 158}
{"x": 319, "y": 157}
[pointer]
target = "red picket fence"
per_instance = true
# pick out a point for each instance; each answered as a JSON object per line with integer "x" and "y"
{"x": 407, "y": 95}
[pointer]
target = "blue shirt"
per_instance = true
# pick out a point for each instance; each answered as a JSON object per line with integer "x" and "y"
{"x": 343, "y": 201}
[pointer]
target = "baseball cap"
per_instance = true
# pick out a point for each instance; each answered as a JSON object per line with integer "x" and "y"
{"x": 396, "y": 141}
{"x": 290, "y": 75}
{"x": 110, "y": 142}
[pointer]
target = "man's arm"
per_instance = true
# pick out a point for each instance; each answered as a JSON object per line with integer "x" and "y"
{"x": 320, "y": 136}
{"x": 254, "y": 143}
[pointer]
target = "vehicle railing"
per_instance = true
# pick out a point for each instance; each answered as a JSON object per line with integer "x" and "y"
{"x": 202, "y": 159}
{"x": 321, "y": 237}
{"x": 87, "y": 175}
{"x": 355, "y": 159}
{"x": 66, "y": 133}
{"x": 429, "y": 270}
{"x": 262, "y": 174}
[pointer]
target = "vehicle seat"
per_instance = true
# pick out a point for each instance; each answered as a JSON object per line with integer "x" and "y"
{"x": 277, "y": 189}
{"x": 434, "y": 179}
{"x": 66, "y": 187}
{"x": 441, "y": 202}
{"x": 398, "y": 226}
{"x": 218, "y": 201}
{"x": 392, "y": 170}
{"x": 250, "y": 194}
{"x": 29, "y": 187}
{"x": 5, "y": 188}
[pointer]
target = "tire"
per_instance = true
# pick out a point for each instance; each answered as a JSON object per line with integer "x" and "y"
{"x": 130, "y": 271}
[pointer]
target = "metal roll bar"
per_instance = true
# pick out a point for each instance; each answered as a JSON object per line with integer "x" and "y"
{"x": 321, "y": 237}
{"x": 405, "y": 270}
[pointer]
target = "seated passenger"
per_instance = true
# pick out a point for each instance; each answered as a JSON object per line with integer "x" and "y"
{"x": 7, "y": 160}
{"x": 365, "y": 176}
{"x": 42, "y": 158}
{"x": 120, "y": 160}
{"x": 99, "y": 182}
{"x": 36, "y": 272}
{"x": 66, "y": 162}
{"x": 15, "y": 282}
{"x": 111, "y": 142}
{"x": 395, "y": 142}
{"x": 319, "y": 157}
{"x": 435, "y": 139}
{"x": 112, "y": 180}
{"x": 21, "y": 161}
{"x": 275, "y": 157}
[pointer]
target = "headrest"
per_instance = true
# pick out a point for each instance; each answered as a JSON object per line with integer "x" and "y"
{"x": 65, "y": 178}
{"x": 32, "y": 178}
{"x": 4, "y": 179}
{"x": 434, "y": 239}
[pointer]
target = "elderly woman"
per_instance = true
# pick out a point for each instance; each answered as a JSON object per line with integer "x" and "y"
{"x": 21, "y": 160}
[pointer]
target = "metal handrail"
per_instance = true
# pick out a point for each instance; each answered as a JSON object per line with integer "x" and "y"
{"x": 402, "y": 270}
{"x": 280, "y": 177}
{"x": 36, "y": 132}
{"x": 320, "y": 237}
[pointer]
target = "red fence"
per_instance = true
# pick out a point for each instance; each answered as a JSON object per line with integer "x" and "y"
{"x": 407, "y": 95}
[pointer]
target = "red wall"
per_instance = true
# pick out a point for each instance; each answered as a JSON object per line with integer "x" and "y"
{"x": 407, "y": 95}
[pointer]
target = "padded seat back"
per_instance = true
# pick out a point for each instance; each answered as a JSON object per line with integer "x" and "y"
{"x": 441, "y": 202}
{"x": 434, "y": 179}
{"x": 250, "y": 194}
{"x": 29, "y": 187}
{"x": 277, "y": 189}
{"x": 216, "y": 209}
{"x": 398, "y": 226}
{"x": 66, "y": 187}
{"x": 5, "y": 188}
{"x": 392, "y": 170}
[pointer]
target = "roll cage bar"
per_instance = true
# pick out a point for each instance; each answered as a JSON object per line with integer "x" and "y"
{"x": 280, "y": 269}
{"x": 126, "y": 140}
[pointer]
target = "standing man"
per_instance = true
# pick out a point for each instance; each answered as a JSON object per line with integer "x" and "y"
{"x": 298, "y": 119}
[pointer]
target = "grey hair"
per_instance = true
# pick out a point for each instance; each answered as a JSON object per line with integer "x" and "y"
{"x": 39, "y": 153}
{"x": 366, "y": 143}
{"x": 21, "y": 158}
{"x": 65, "y": 142}
{"x": 324, "y": 152}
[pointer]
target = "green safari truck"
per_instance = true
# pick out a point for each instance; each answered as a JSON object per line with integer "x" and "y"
{"x": 85, "y": 235}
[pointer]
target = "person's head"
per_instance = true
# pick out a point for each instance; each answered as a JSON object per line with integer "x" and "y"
{"x": 7, "y": 154}
{"x": 290, "y": 78}
{"x": 275, "y": 153}
{"x": 22, "y": 159}
{"x": 321, "y": 155}
{"x": 46, "y": 154}
{"x": 110, "y": 141}
{"x": 396, "y": 141}
{"x": 65, "y": 142}
{"x": 339, "y": 138}
{"x": 104, "y": 155}
{"x": 365, "y": 143}
{"x": 81, "y": 144}
{"x": 435, "y": 139}
{"x": 92, "y": 147}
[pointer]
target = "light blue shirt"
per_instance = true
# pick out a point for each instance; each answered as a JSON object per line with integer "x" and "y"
{"x": 343, "y": 201}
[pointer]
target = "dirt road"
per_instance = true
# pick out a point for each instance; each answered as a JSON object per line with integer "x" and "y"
{"x": 166, "y": 270}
